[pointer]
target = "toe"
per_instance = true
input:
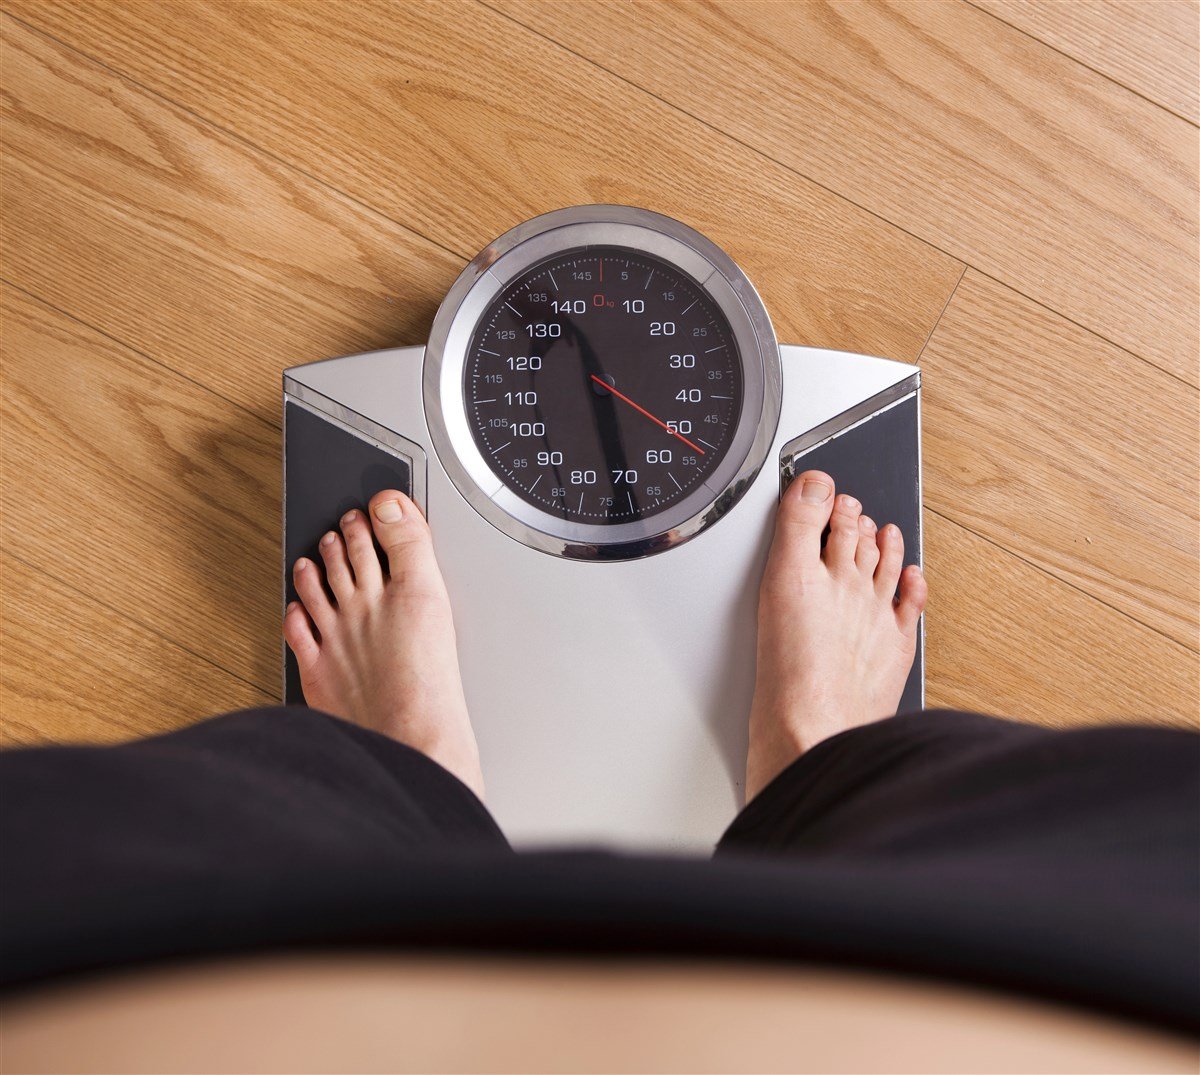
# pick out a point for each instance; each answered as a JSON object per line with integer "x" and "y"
{"x": 842, "y": 543}
{"x": 891, "y": 560}
{"x": 368, "y": 572}
{"x": 298, "y": 632}
{"x": 307, "y": 577}
{"x": 337, "y": 567}
{"x": 404, "y": 537}
{"x": 913, "y": 593}
{"x": 866, "y": 556}
{"x": 803, "y": 515}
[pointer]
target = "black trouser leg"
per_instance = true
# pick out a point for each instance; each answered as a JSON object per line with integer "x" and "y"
{"x": 169, "y": 834}
{"x": 1078, "y": 850}
{"x": 1060, "y": 863}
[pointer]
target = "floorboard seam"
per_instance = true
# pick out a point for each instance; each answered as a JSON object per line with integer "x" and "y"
{"x": 143, "y": 626}
{"x": 284, "y": 163}
{"x": 945, "y": 307}
{"x": 1082, "y": 63}
{"x": 208, "y": 389}
{"x": 1192, "y": 651}
{"x": 836, "y": 194}
{"x": 367, "y": 207}
{"x": 241, "y": 139}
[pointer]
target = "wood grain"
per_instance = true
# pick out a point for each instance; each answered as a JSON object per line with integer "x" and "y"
{"x": 150, "y": 494}
{"x": 283, "y": 187}
{"x": 1003, "y": 637}
{"x": 1150, "y": 46}
{"x": 1055, "y": 445}
{"x": 185, "y": 243}
{"x": 948, "y": 123}
{"x": 404, "y": 108}
{"x": 74, "y": 671}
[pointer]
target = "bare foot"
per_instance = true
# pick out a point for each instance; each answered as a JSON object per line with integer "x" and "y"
{"x": 383, "y": 653}
{"x": 834, "y": 644}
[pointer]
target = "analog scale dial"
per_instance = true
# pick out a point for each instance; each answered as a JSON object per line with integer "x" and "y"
{"x": 603, "y": 385}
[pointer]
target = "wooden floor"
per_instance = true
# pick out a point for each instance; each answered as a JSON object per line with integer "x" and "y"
{"x": 197, "y": 195}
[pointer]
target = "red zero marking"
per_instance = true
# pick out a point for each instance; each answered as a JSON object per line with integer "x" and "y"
{"x": 601, "y": 270}
{"x": 642, "y": 410}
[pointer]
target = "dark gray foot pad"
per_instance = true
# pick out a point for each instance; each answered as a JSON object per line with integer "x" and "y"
{"x": 878, "y": 461}
{"x": 327, "y": 471}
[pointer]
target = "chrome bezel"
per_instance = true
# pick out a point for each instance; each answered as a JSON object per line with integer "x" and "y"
{"x": 532, "y": 242}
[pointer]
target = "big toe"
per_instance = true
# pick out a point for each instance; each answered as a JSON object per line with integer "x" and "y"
{"x": 403, "y": 534}
{"x": 804, "y": 512}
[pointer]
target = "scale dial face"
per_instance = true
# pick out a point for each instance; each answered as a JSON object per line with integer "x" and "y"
{"x": 603, "y": 385}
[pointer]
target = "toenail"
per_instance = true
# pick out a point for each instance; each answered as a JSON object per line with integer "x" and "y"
{"x": 349, "y": 517}
{"x": 301, "y": 565}
{"x": 849, "y": 503}
{"x": 868, "y": 525}
{"x": 327, "y": 539}
{"x": 814, "y": 492}
{"x": 389, "y": 511}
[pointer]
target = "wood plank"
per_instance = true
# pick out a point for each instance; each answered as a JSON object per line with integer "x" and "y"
{"x": 152, "y": 494}
{"x": 1053, "y": 444}
{"x": 949, "y": 123}
{"x": 128, "y": 440}
{"x": 417, "y": 123}
{"x": 1003, "y": 637}
{"x": 187, "y": 244}
{"x": 1150, "y": 46}
{"x": 211, "y": 257}
{"x": 73, "y": 671}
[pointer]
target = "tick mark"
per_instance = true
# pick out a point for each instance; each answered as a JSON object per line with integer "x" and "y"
{"x": 648, "y": 279}
{"x": 675, "y": 480}
{"x": 479, "y": 401}
{"x": 581, "y": 496}
{"x": 720, "y": 397}
{"x": 703, "y": 441}
{"x": 513, "y": 308}
{"x": 501, "y": 448}
{"x": 552, "y": 280}
{"x": 719, "y": 347}
{"x": 694, "y": 301}
{"x": 494, "y": 354}
{"x": 630, "y": 496}
{"x": 534, "y": 485}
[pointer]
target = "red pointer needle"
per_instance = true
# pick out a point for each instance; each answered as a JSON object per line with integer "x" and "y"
{"x": 657, "y": 421}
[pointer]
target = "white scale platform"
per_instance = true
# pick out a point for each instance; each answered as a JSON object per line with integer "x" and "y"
{"x": 610, "y": 698}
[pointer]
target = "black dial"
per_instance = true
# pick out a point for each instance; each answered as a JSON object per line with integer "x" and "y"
{"x": 603, "y": 385}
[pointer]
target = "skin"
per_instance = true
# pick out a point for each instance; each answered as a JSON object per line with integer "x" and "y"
{"x": 381, "y": 652}
{"x": 835, "y": 642}
{"x": 837, "y": 634}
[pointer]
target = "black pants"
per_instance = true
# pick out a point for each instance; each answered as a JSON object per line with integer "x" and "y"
{"x": 1065, "y": 864}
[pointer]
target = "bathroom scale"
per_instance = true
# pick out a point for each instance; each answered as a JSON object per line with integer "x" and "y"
{"x": 598, "y": 431}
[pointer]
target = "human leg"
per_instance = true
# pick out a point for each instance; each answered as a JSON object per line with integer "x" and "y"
{"x": 109, "y": 848}
{"x": 1066, "y": 855}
